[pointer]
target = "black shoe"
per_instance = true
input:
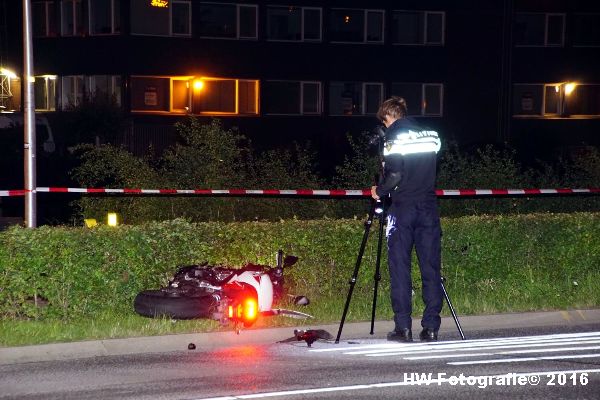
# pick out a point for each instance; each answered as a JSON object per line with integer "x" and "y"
{"x": 400, "y": 335}
{"x": 428, "y": 335}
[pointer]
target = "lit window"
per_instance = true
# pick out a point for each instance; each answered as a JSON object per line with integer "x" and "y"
{"x": 562, "y": 99}
{"x": 71, "y": 18}
{"x": 418, "y": 27}
{"x": 355, "y": 98}
{"x": 186, "y": 94}
{"x": 10, "y": 91}
{"x": 44, "y": 19}
{"x": 228, "y": 21}
{"x": 181, "y": 94}
{"x": 104, "y": 17}
{"x": 288, "y": 23}
{"x": 355, "y": 25}
{"x": 226, "y": 96}
{"x": 292, "y": 98}
{"x": 537, "y": 29}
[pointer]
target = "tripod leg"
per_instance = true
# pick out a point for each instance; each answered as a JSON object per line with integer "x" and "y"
{"x": 361, "y": 251}
{"x": 462, "y": 335}
{"x": 377, "y": 276}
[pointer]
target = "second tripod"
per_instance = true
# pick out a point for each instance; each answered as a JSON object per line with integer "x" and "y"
{"x": 377, "y": 210}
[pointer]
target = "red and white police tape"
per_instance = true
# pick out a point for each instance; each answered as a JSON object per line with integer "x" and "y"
{"x": 300, "y": 192}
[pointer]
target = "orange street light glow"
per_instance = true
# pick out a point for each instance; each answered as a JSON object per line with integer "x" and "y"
{"x": 198, "y": 85}
{"x": 569, "y": 87}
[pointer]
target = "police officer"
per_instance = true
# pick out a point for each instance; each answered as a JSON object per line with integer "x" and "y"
{"x": 413, "y": 219}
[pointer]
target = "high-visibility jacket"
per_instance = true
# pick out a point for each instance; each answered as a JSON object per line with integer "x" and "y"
{"x": 410, "y": 154}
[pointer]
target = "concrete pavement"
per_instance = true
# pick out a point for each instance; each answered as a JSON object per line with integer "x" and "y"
{"x": 213, "y": 340}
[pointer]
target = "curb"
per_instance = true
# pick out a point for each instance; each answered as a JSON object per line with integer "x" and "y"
{"x": 214, "y": 340}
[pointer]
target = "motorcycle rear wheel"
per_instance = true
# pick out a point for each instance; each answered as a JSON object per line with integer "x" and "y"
{"x": 156, "y": 304}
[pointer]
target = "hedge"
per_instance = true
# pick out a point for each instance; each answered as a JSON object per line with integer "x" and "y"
{"x": 492, "y": 263}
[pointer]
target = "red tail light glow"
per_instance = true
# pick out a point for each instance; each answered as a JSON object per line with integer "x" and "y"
{"x": 245, "y": 311}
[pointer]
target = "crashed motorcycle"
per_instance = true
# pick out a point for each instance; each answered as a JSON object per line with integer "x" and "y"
{"x": 235, "y": 296}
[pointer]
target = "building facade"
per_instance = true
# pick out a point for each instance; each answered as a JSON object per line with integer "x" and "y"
{"x": 523, "y": 72}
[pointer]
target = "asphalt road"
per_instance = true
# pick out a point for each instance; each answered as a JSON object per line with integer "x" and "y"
{"x": 539, "y": 362}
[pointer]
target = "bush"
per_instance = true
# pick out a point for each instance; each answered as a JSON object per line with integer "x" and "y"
{"x": 210, "y": 156}
{"x": 493, "y": 263}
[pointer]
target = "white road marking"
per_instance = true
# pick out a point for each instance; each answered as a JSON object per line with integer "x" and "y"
{"x": 397, "y": 346}
{"x": 469, "y": 346}
{"x": 570, "y": 343}
{"x": 523, "y": 359}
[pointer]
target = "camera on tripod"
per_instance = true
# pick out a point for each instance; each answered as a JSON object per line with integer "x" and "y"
{"x": 377, "y": 135}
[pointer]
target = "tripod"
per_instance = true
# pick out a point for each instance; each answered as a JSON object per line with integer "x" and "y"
{"x": 378, "y": 210}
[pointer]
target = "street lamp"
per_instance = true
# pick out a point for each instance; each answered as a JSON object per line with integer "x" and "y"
{"x": 570, "y": 87}
{"x": 198, "y": 84}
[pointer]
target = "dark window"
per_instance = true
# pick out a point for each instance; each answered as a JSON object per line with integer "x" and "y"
{"x": 293, "y": 23}
{"x": 218, "y": 20}
{"x": 222, "y": 20}
{"x": 539, "y": 29}
{"x": 407, "y": 27}
{"x": 354, "y": 98}
{"x": 150, "y": 94}
{"x": 432, "y": 103}
{"x": 347, "y": 26}
{"x": 146, "y": 20}
{"x": 73, "y": 88}
{"x": 412, "y": 93}
{"x": 435, "y": 28}
{"x": 586, "y": 30}
{"x": 373, "y": 93}
{"x": 555, "y": 29}
{"x": 248, "y": 20}
{"x": 44, "y": 19}
{"x": 292, "y": 97}
{"x": 72, "y": 17}
{"x": 101, "y": 17}
{"x": 281, "y": 97}
{"x": 45, "y": 93}
{"x": 584, "y": 100}
{"x": 418, "y": 27}
{"x": 374, "y": 29}
{"x": 180, "y": 18}
{"x": 311, "y": 98}
{"x": 527, "y": 99}
{"x": 312, "y": 24}
{"x": 284, "y": 23}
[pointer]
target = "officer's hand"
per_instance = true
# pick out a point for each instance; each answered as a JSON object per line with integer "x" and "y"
{"x": 374, "y": 192}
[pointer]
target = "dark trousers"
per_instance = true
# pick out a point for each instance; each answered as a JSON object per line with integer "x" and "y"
{"x": 418, "y": 225}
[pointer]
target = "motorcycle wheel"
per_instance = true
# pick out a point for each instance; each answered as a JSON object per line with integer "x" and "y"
{"x": 156, "y": 303}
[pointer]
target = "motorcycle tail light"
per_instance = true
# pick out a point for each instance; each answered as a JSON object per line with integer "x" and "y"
{"x": 245, "y": 311}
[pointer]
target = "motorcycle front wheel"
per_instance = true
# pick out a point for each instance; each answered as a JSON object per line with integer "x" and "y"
{"x": 156, "y": 304}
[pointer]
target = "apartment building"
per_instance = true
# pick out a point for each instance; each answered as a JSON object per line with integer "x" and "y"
{"x": 524, "y": 72}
